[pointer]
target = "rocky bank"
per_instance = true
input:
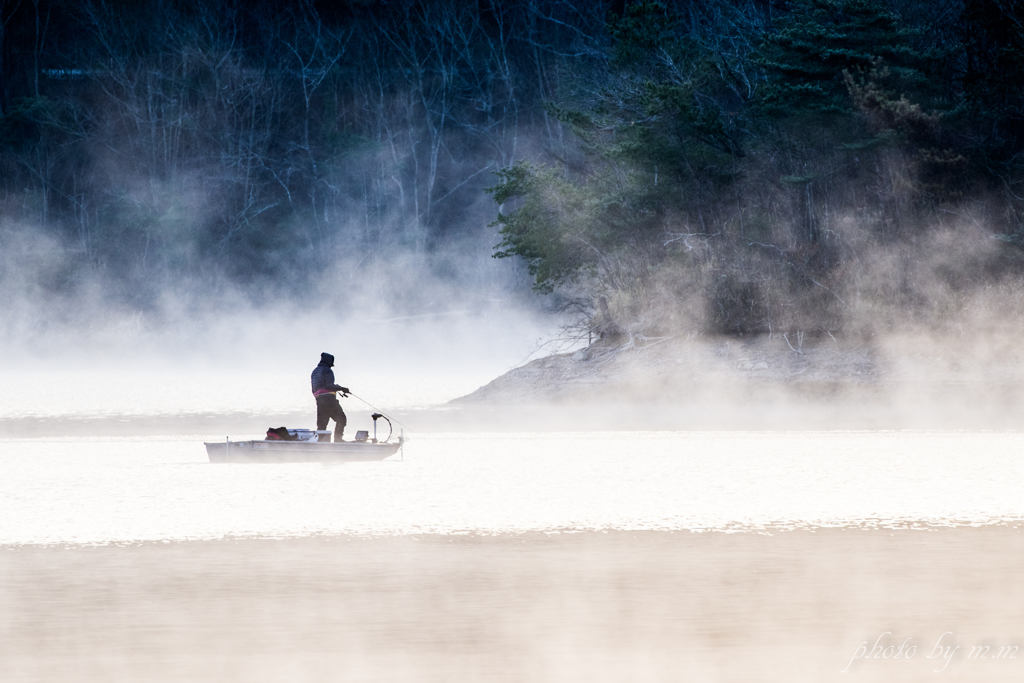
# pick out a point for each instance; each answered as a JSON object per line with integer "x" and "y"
{"x": 915, "y": 367}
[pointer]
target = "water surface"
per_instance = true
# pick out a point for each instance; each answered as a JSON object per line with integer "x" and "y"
{"x": 105, "y": 489}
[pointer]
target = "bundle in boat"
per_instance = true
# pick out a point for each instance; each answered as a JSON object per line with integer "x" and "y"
{"x": 285, "y": 434}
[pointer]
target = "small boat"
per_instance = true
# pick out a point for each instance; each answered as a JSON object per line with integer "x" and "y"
{"x": 307, "y": 445}
{"x": 301, "y": 451}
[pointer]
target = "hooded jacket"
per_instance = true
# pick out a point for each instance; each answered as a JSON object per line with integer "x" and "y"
{"x": 322, "y": 379}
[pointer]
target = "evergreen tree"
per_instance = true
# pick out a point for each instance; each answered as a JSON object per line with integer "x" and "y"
{"x": 821, "y": 41}
{"x": 994, "y": 78}
{"x": 661, "y": 137}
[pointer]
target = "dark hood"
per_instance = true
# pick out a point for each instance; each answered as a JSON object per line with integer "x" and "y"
{"x": 327, "y": 359}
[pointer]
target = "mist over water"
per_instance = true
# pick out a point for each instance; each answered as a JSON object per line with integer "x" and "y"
{"x": 798, "y": 427}
{"x": 114, "y": 452}
{"x": 260, "y": 362}
{"x": 608, "y": 541}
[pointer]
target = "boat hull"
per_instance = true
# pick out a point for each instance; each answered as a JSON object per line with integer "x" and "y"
{"x": 300, "y": 451}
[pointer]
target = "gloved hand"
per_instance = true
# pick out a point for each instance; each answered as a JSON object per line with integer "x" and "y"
{"x": 344, "y": 391}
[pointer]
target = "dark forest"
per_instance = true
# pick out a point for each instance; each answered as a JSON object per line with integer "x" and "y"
{"x": 733, "y": 167}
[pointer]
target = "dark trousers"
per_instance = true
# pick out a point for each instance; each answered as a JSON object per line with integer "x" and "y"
{"x": 328, "y": 408}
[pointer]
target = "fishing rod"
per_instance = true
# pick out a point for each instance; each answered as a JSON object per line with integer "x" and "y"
{"x": 380, "y": 412}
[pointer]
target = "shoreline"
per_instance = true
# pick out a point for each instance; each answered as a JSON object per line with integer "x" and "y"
{"x": 763, "y": 367}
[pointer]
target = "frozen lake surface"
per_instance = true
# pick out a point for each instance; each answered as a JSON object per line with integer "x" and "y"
{"x": 112, "y": 490}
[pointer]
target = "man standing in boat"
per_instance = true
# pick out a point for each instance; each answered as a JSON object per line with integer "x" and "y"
{"x": 326, "y": 393}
